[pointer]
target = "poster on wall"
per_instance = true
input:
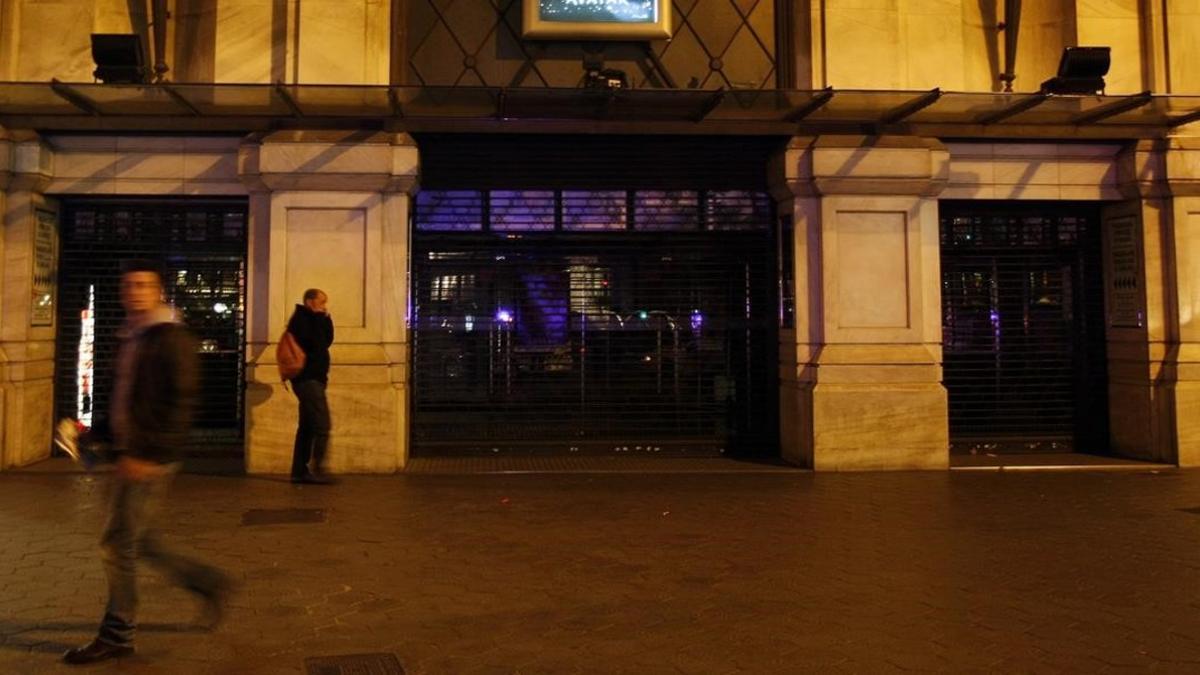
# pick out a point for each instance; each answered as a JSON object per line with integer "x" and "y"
{"x": 1124, "y": 290}
{"x": 45, "y": 272}
{"x": 597, "y": 19}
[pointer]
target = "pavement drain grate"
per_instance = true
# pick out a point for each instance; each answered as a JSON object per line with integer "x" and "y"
{"x": 354, "y": 664}
{"x": 282, "y": 516}
{"x": 1194, "y": 509}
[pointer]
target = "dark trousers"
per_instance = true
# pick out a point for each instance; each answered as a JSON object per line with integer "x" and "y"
{"x": 312, "y": 434}
{"x": 128, "y": 536}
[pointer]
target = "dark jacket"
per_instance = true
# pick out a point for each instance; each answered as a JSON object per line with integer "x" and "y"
{"x": 162, "y": 393}
{"x": 314, "y": 333}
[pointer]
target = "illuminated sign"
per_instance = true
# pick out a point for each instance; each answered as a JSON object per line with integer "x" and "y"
{"x": 85, "y": 365}
{"x": 598, "y": 19}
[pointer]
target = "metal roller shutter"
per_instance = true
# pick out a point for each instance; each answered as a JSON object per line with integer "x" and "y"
{"x": 202, "y": 245}
{"x": 1023, "y": 309}
{"x": 581, "y": 303}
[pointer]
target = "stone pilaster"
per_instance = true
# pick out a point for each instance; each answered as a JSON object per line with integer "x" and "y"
{"x": 1154, "y": 367}
{"x": 1183, "y": 178}
{"x": 1182, "y": 168}
{"x": 861, "y": 373}
{"x": 330, "y": 210}
{"x": 26, "y": 345}
{"x": 1139, "y": 327}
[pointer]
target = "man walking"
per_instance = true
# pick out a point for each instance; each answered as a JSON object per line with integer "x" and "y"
{"x": 153, "y": 392}
{"x": 312, "y": 328}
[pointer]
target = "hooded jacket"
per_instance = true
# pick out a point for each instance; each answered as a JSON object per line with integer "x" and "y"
{"x": 314, "y": 333}
{"x": 156, "y": 386}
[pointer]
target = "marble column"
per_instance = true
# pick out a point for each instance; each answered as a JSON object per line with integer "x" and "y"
{"x": 861, "y": 371}
{"x": 329, "y": 210}
{"x": 26, "y": 323}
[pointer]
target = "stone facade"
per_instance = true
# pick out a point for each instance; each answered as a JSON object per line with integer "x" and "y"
{"x": 345, "y": 190}
{"x": 26, "y": 350}
{"x": 958, "y": 45}
{"x": 860, "y": 372}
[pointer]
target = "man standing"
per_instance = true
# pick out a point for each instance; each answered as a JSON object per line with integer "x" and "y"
{"x": 313, "y": 329}
{"x": 153, "y": 392}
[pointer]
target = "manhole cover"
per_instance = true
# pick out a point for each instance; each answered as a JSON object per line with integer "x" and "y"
{"x": 282, "y": 516}
{"x": 354, "y": 664}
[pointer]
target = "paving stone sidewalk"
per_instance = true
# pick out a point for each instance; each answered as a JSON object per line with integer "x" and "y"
{"x": 1088, "y": 572}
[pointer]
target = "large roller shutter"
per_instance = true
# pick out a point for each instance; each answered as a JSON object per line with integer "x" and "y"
{"x": 202, "y": 245}
{"x": 1023, "y": 308}
{"x": 569, "y": 299}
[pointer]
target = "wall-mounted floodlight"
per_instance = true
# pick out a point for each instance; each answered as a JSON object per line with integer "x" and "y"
{"x": 1081, "y": 70}
{"x": 119, "y": 58}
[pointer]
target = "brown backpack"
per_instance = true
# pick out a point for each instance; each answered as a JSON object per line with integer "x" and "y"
{"x": 289, "y": 356}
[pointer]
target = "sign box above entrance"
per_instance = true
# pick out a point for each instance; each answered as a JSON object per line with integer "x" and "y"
{"x": 597, "y": 19}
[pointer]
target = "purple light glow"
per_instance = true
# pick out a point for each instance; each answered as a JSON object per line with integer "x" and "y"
{"x": 697, "y": 319}
{"x": 504, "y": 316}
{"x": 544, "y": 307}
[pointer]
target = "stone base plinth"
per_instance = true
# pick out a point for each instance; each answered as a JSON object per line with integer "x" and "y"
{"x": 1139, "y": 421}
{"x": 1186, "y": 416}
{"x": 367, "y": 419}
{"x": 368, "y": 404}
{"x": 27, "y": 413}
{"x": 26, "y": 401}
{"x": 867, "y": 427}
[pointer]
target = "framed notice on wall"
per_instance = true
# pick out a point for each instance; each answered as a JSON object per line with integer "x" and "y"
{"x": 1124, "y": 289}
{"x": 597, "y": 19}
{"x": 45, "y": 270}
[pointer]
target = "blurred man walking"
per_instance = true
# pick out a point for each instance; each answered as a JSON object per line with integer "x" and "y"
{"x": 153, "y": 393}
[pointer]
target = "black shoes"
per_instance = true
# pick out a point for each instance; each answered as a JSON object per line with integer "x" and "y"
{"x": 96, "y": 650}
{"x": 214, "y": 594}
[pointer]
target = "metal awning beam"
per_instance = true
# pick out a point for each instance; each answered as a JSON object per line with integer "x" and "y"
{"x": 1015, "y": 108}
{"x": 905, "y": 110}
{"x": 709, "y": 105}
{"x": 608, "y": 104}
{"x": 288, "y": 100}
{"x": 178, "y": 98}
{"x": 1193, "y": 116}
{"x": 1115, "y": 108}
{"x": 66, "y": 93}
{"x": 659, "y": 67}
{"x": 816, "y": 103}
{"x": 90, "y": 106}
{"x": 501, "y": 103}
{"x": 394, "y": 100}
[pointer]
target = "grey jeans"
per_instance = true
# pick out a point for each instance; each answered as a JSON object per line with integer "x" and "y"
{"x": 312, "y": 433}
{"x": 128, "y": 536}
